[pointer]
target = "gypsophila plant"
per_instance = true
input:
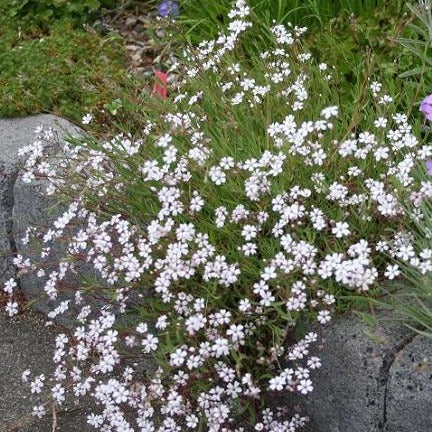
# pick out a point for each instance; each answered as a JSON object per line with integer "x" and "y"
{"x": 249, "y": 202}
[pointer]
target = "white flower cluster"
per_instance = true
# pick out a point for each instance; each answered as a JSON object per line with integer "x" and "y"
{"x": 216, "y": 251}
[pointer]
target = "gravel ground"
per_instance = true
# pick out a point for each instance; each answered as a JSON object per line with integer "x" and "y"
{"x": 26, "y": 343}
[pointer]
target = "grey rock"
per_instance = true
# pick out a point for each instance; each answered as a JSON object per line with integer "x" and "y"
{"x": 26, "y": 343}
{"x": 15, "y": 133}
{"x": 31, "y": 207}
{"x": 27, "y": 204}
{"x": 350, "y": 388}
{"x": 409, "y": 388}
{"x": 66, "y": 421}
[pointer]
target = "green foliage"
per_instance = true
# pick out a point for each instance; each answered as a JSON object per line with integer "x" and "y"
{"x": 412, "y": 303}
{"x": 59, "y": 73}
{"x": 360, "y": 38}
{"x": 65, "y": 71}
{"x": 202, "y": 18}
{"x": 43, "y": 12}
{"x": 419, "y": 41}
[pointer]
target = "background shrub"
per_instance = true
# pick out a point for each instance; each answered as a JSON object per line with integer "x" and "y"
{"x": 202, "y": 18}
{"x": 44, "y": 12}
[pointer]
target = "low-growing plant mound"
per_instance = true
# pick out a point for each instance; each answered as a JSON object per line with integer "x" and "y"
{"x": 249, "y": 202}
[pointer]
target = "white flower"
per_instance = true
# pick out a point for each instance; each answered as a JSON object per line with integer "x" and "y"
{"x": 323, "y": 317}
{"x": 314, "y": 363}
{"x": 196, "y": 202}
{"x": 237, "y": 333}
{"x": 277, "y": 383}
{"x": 376, "y": 87}
{"x": 392, "y": 271}
{"x": 329, "y": 112}
{"x": 380, "y": 122}
{"x": 9, "y": 286}
{"x": 150, "y": 343}
{"x": 142, "y": 328}
{"x": 95, "y": 420}
{"x": 305, "y": 386}
{"x": 249, "y": 232}
{"x": 39, "y": 411}
{"x": 220, "y": 347}
{"x": 217, "y": 175}
{"x": 162, "y": 322}
{"x": 195, "y": 323}
{"x": 341, "y": 229}
{"x": 385, "y": 99}
{"x": 249, "y": 249}
{"x": 25, "y": 375}
{"x": 192, "y": 421}
{"x": 178, "y": 357}
{"x": 11, "y": 308}
{"x": 87, "y": 119}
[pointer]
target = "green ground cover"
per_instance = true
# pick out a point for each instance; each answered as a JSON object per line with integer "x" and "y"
{"x": 56, "y": 66}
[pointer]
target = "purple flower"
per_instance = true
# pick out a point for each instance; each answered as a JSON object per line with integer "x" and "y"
{"x": 429, "y": 167}
{"x": 426, "y": 107}
{"x": 168, "y": 8}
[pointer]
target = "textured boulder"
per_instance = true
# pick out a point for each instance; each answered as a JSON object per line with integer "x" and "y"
{"x": 24, "y": 341}
{"x": 371, "y": 380}
{"x": 409, "y": 388}
{"x": 14, "y": 133}
{"x": 28, "y": 205}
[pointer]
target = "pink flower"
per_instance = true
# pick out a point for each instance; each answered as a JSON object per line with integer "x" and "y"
{"x": 168, "y": 8}
{"x": 429, "y": 167}
{"x": 426, "y": 107}
{"x": 160, "y": 85}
